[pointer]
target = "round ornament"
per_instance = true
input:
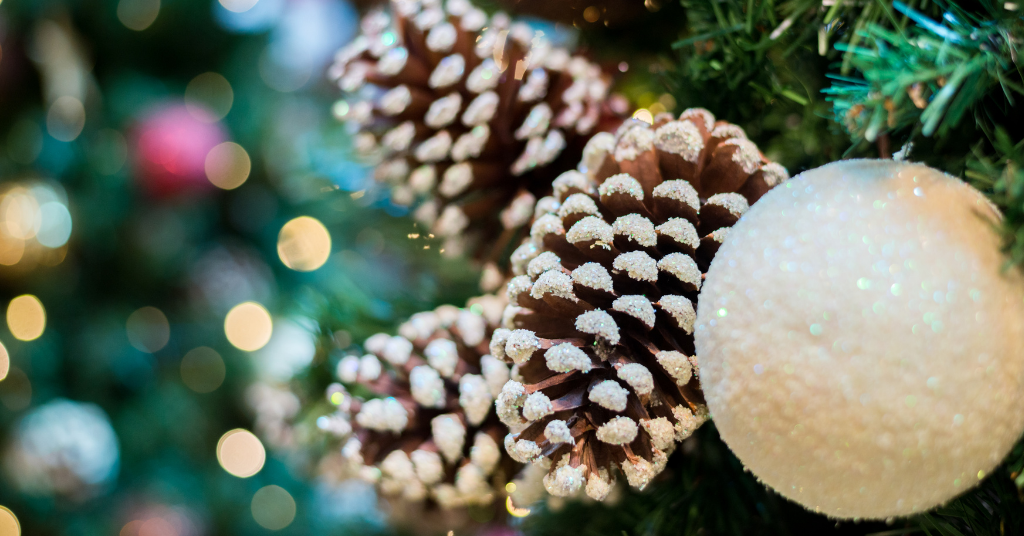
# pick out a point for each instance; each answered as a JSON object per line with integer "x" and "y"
{"x": 861, "y": 347}
{"x": 172, "y": 145}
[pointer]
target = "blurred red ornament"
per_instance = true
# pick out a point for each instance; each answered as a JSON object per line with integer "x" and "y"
{"x": 171, "y": 148}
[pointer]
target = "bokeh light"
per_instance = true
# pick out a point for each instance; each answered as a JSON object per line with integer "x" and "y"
{"x": 9, "y": 525}
{"x": 273, "y": 507}
{"x": 241, "y": 453}
{"x": 21, "y": 218}
{"x": 643, "y": 114}
{"x": 26, "y": 317}
{"x": 209, "y": 97}
{"x": 172, "y": 146}
{"x": 138, "y": 14}
{"x": 304, "y": 244}
{"x": 515, "y": 510}
{"x": 202, "y": 370}
{"x": 5, "y": 362}
{"x": 148, "y": 329}
{"x": 64, "y": 449}
{"x": 248, "y": 326}
{"x": 65, "y": 118}
{"x": 238, "y": 6}
{"x": 55, "y": 225}
{"x": 228, "y": 165}
{"x": 32, "y": 214}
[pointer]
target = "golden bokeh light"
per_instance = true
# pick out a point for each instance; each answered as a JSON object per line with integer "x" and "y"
{"x": 209, "y": 97}
{"x": 241, "y": 453}
{"x": 9, "y": 525}
{"x": 65, "y": 119}
{"x": 138, "y": 14}
{"x": 248, "y": 326}
{"x": 19, "y": 214}
{"x": 5, "y": 362}
{"x": 273, "y": 507}
{"x": 26, "y": 317}
{"x": 238, "y": 6}
{"x": 148, "y": 329}
{"x": 592, "y": 14}
{"x": 11, "y": 250}
{"x": 514, "y": 510}
{"x": 228, "y": 165}
{"x": 202, "y": 370}
{"x": 304, "y": 244}
{"x": 643, "y": 114}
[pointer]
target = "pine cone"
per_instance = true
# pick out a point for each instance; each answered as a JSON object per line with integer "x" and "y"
{"x": 603, "y": 308}
{"x": 431, "y": 432}
{"x": 467, "y": 113}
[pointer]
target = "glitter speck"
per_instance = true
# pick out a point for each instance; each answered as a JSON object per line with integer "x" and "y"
{"x": 815, "y": 329}
{"x": 981, "y": 474}
{"x": 863, "y": 283}
{"x": 918, "y": 192}
{"x": 910, "y": 401}
{"x": 896, "y": 289}
{"x": 722, "y": 312}
{"x": 758, "y": 368}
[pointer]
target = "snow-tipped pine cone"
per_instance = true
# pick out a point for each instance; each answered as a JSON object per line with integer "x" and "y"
{"x": 469, "y": 115}
{"x": 431, "y": 431}
{"x": 600, "y": 319}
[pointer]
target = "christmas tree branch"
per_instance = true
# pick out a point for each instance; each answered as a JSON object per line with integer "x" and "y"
{"x": 1002, "y": 179}
{"x": 929, "y": 75}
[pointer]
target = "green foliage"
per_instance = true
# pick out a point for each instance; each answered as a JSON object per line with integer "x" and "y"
{"x": 1002, "y": 179}
{"x": 994, "y": 508}
{"x": 928, "y": 73}
{"x": 763, "y": 64}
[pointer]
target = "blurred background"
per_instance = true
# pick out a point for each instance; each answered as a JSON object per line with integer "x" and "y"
{"x": 179, "y": 212}
{"x": 172, "y": 189}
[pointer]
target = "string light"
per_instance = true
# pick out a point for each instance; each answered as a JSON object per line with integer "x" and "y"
{"x": 26, "y": 317}
{"x": 209, "y": 97}
{"x": 5, "y": 362}
{"x": 643, "y": 114}
{"x": 515, "y": 511}
{"x": 238, "y": 6}
{"x": 248, "y": 326}
{"x": 138, "y": 14}
{"x": 273, "y": 507}
{"x": 304, "y": 244}
{"x": 65, "y": 119}
{"x": 202, "y": 370}
{"x": 9, "y": 525}
{"x": 148, "y": 329}
{"x": 227, "y": 165}
{"x": 241, "y": 453}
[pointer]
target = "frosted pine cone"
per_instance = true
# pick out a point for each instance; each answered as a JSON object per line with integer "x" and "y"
{"x": 600, "y": 321}
{"x": 432, "y": 432}
{"x": 466, "y": 113}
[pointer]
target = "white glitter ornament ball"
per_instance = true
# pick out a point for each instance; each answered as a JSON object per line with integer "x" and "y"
{"x": 860, "y": 347}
